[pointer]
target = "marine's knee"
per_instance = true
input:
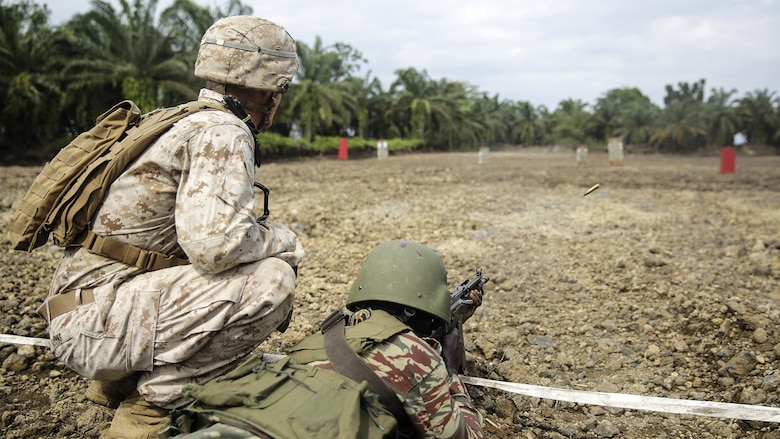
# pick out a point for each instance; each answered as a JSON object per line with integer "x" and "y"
{"x": 274, "y": 273}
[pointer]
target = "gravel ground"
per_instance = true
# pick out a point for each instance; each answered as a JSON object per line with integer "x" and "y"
{"x": 664, "y": 282}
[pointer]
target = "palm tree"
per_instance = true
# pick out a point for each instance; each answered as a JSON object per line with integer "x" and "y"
{"x": 624, "y": 112}
{"x": 418, "y": 104}
{"x": 502, "y": 119}
{"x": 468, "y": 123}
{"x": 681, "y": 126}
{"x": 637, "y": 123}
{"x": 126, "y": 55}
{"x": 547, "y": 123}
{"x": 721, "y": 116}
{"x": 490, "y": 116}
{"x": 370, "y": 100}
{"x": 606, "y": 118}
{"x": 573, "y": 123}
{"x": 527, "y": 129}
{"x": 317, "y": 103}
{"x": 30, "y": 90}
{"x": 758, "y": 114}
{"x": 185, "y": 22}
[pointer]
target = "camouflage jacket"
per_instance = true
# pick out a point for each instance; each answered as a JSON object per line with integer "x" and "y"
{"x": 437, "y": 403}
{"x": 189, "y": 194}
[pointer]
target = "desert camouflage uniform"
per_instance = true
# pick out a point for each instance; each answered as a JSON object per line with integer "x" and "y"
{"x": 437, "y": 403}
{"x": 189, "y": 194}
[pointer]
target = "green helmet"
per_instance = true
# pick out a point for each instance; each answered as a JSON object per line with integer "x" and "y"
{"x": 405, "y": 273}
{"x": 248, "y": 52}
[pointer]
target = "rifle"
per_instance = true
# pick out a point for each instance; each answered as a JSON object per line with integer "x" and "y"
{"x": 460, "y": 303}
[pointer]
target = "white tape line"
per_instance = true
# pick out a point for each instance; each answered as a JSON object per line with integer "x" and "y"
{"x": 620, "y": 400}
{"x": 18, "y": 339}
{"x": 637, "y": 402}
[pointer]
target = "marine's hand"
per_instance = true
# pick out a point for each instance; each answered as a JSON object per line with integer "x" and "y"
{"x": 453, "y": 351}
{"x": 289, "y": 248}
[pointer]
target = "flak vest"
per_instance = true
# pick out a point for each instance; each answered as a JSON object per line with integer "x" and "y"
{"x": 292, "y": 399}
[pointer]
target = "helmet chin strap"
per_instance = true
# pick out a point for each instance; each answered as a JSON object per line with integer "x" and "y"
{"x": 264, "y": 109}
{"x": 237, "y": 108}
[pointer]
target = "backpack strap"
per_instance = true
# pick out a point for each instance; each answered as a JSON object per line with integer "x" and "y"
{"x": 108, "y": 167}
{"x": 129, "y": 254}
{"x": 348, "y": 363}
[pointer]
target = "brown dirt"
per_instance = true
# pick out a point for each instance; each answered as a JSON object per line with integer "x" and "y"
{"x": 664, "y": 282}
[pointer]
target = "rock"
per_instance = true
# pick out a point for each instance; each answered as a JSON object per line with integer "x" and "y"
{"x": 541, "y": 342}
{"x": 770, "y": 382}
{"x": 652, "y": 350}
{"x": 760, "y": 335}
{"x": 606, "y": 429}
{"x": 26, "y": 351}
{"x": 8, "y": 418}
{"x": 740, "y": 365}
{"x": 752, "y": 396}
{"x": 505, "y": 408}
{"x": 15, "y": 362}
{"x": 721, "y": 429}
{"x": 681, "y": 346}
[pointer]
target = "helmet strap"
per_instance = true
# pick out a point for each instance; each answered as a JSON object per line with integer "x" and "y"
{"x": 235, "y": 106}
{"x": 422, "y": 323}
{"x": 265, "y": 109}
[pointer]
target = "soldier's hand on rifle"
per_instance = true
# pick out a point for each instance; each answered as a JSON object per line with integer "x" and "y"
{"x": 453, "y": 351}
{"x": 476, "y": 297}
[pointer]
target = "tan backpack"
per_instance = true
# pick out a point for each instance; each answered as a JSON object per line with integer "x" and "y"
{"x": 66, "y": 194}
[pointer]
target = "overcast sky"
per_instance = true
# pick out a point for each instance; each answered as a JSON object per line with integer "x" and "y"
{"x": 540, "y": 51}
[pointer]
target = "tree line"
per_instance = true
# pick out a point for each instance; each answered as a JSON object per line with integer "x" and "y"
{"x": 55, "y": 80}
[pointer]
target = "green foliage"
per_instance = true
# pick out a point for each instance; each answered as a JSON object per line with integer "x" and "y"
{"x": 276, "y": 145}
{"x": 28, "y": 78}
{"x": 685, "y": 93}
{"x": 759, "y": 112}
{"x": 404, "y": 145}
{"x": 319, "y": 98}
{"x": 140, "y": 91}
{"x": 681, "y": 127}
{"x": 56, "y": 80}
{"x": 324, "y": 145}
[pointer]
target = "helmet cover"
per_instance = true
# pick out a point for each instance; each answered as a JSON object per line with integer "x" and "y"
{"x": 248, "y": 52}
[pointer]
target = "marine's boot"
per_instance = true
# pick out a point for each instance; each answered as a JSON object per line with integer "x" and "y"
{"x": 136, "y": 418}
{"x": 111, "y": 393}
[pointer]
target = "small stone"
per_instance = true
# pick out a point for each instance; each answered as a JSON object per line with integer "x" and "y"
{"x": 606, "y": 429}
{"x": 740, "y": 365}
{"x": 752, "y": 396}
{"x": 505, "y": 408}
{"x": 15, "y": 362}
{"x": 760, "y": 335}
{"x": 652, "y": 350}
{"x": 26, "y": 351}
{"x": 680, "y": 346}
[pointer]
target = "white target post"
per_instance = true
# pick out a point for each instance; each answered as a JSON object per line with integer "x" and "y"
{"x": 382, "y": 149}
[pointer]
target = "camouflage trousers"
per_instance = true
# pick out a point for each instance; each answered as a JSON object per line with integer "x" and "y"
{"x": 175, "y": 326}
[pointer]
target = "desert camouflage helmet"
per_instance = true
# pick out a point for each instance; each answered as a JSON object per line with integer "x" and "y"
{"x": 248, "y": 52}
{"x": 405, "y": 273}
